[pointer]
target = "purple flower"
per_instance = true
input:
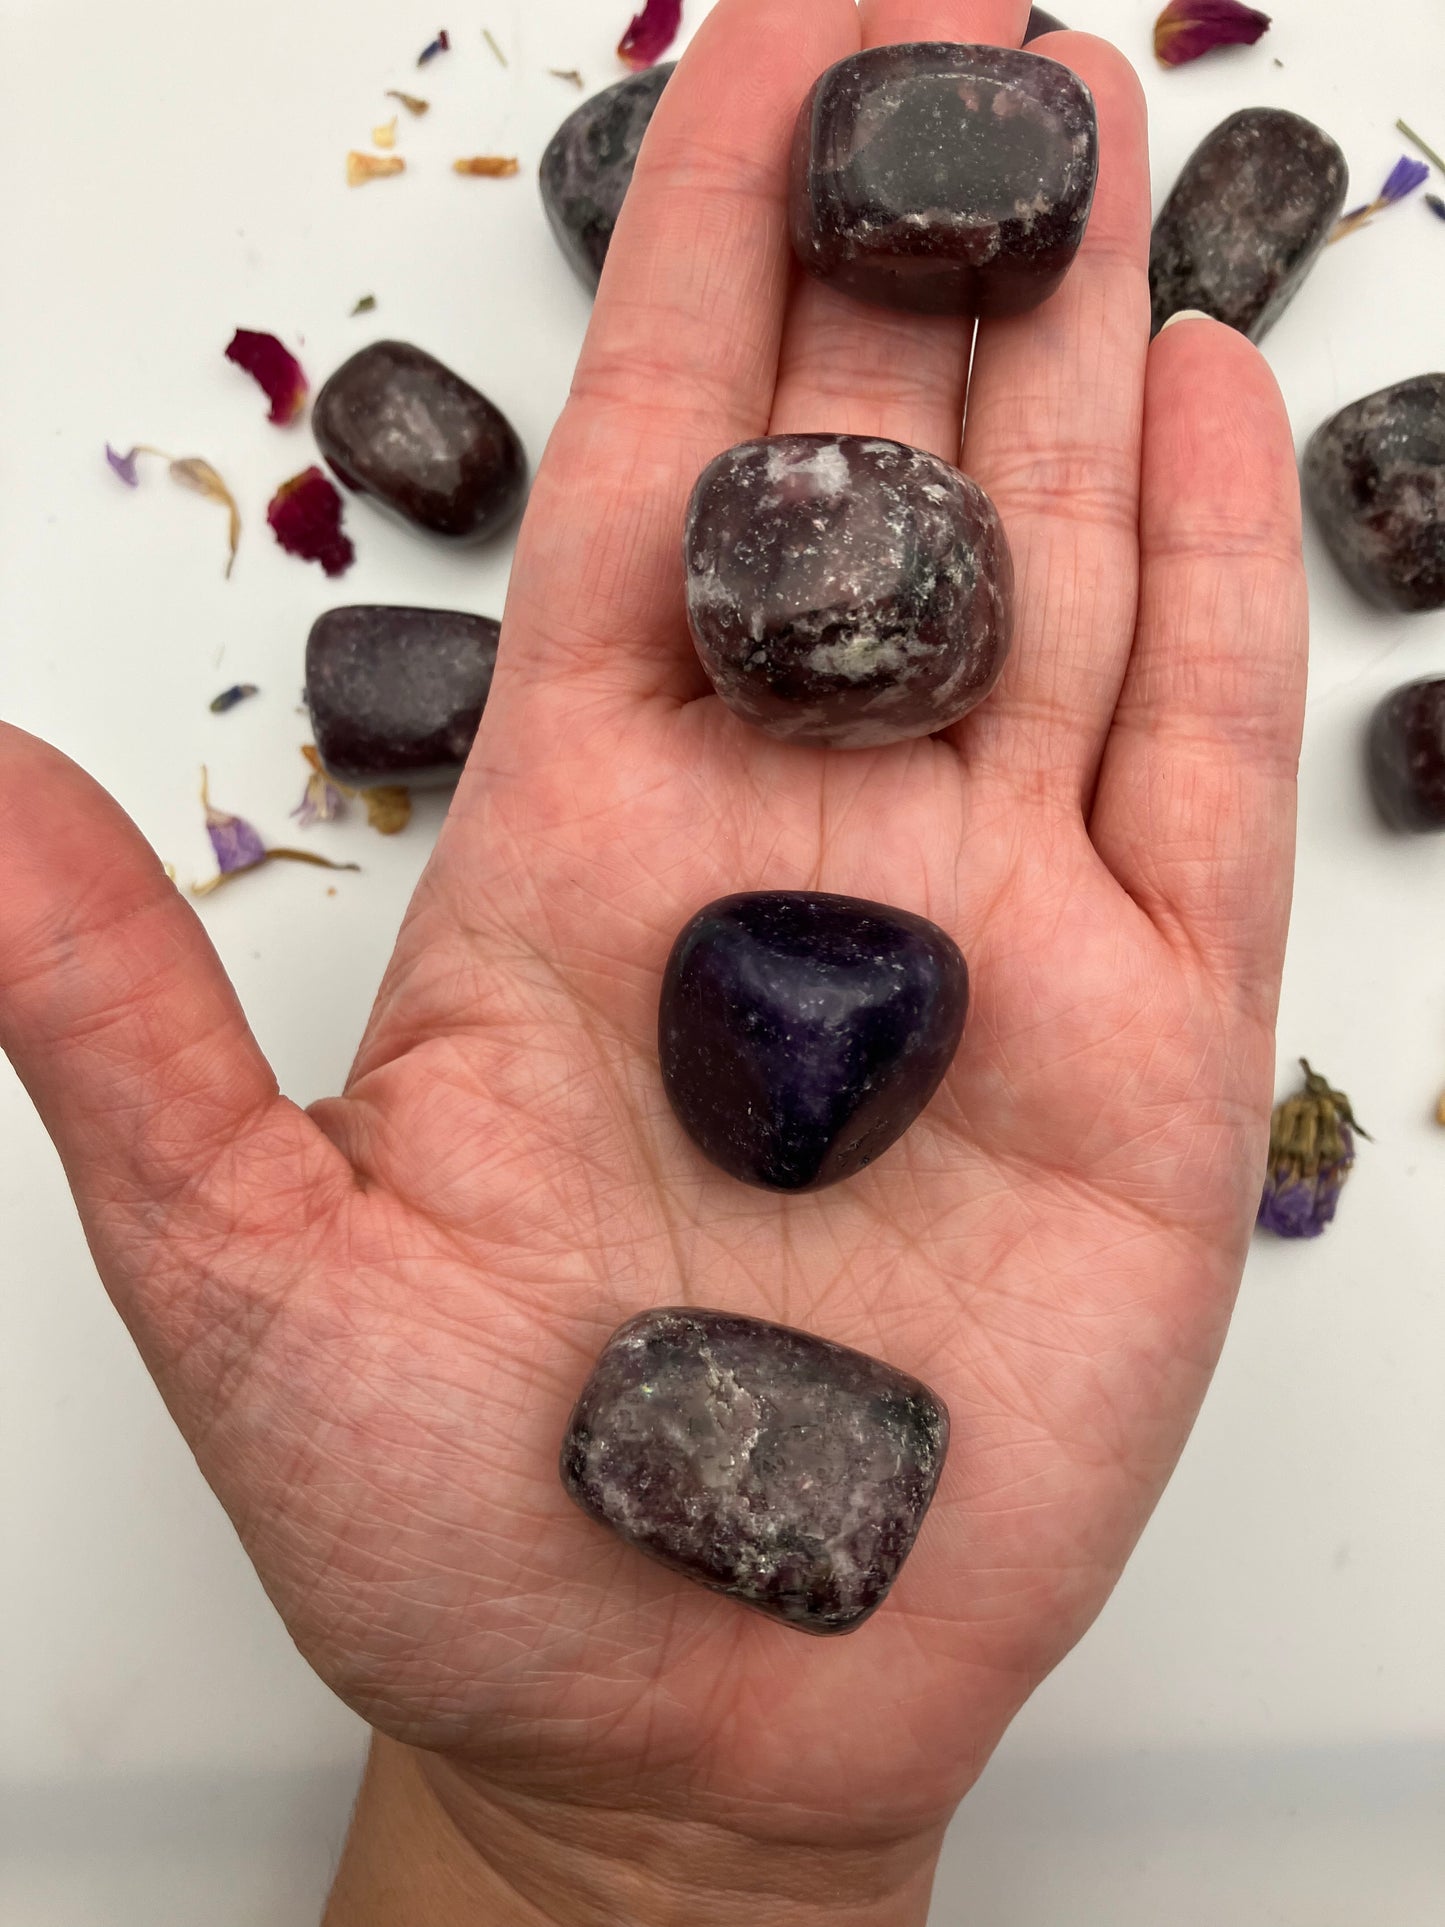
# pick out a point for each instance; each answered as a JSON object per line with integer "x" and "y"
{"x": 1311, "y": 1149}
{"x": 1188, "y": 28}
{"x": 1295, "y": 1206}
{"x": 1404, "y": 177}
{"x": 236, "y": 844}
{"x": 124, "y": 465}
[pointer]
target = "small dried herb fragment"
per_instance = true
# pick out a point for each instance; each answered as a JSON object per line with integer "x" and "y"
{"x": 1401, "y": 127}
{"x": 361, "y": 168}
{"x": 270, "y": 363}
{"x": 1311, "y": 1148}
{"x": 493, "y": 166}
{"x": 364, "y": 305}
{"x": 413, "y": 103}
{"x": 228, "y": 698}
{"x": 487, "y": 36}
{"x": 1436, "y": 206}
{"x": 441, "y": 45}
{"x": 305, "y": 516}
{"x": 1188, "y": 28}
{"x": 1404, "y": 177}
{"x": 124, "y": 465}
{"x": 650, "y": 33}
{"x": 568, "y": 73}
{"x": 385, "y": 134}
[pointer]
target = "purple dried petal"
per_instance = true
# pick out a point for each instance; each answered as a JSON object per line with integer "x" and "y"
{"x": 322, "y": 801}
{"x": 305, "y": 516}
{"x": 1311, "y": 1149}
{"x": 1188, "y": 28}
{"x": 124, "y": 465}
{"x": 274, "y": 366}
{"x": 236, "y": 844}
{"x": 1404, "y": 177}
{"x": 650, "y": 33}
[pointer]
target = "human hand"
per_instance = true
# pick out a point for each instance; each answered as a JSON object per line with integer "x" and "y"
{"x": 370, "y": 1320}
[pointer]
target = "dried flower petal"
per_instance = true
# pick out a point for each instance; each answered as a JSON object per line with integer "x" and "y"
{"x": 568, "y": 73}
{"x": 388, "y": 809}
{"x": 1188, "y": 28}
{"x": 496, "y": 166}
{"x": 1436, "y": 206}
{"x": 1311, "y": 1148}
{"x": 442, "y": 44}
{"x": 385, "y": 134}
{"x": 236, "y": 844}
{"x": 1402, "y": 180}
{"x": 322, "y": 800}
{"x": 650, "y": 33}
{"x": 274, "y": 366}
{"x": 305, "y": 515}
{"x": 487, "y": 36}
{"x": 124, "y": 465}
{"x": 413, "y": 103}
{"x": 228, "y": 698}
{"x": 364, "y": 305}
{"x": 361, "y": 168}
{"x": 194, "y": 473}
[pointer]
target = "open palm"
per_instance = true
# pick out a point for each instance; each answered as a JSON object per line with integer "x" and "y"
{"x": 370, "y": 1320}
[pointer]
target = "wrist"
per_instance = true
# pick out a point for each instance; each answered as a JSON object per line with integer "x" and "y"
{"x": 431, "y": 1846}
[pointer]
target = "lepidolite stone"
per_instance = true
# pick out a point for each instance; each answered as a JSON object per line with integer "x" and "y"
{"x": 1407, "y": 756}
{"x": 396, "y": 695}
{"x": 846, "y": 591}
{"x": 587, "y": 166}
{"x": 785, "y": 1471}
{"x": 944, "y": 179}
{"x": 1041, "y": 23}
{"x": 1374, "y": 475}
{"x": 396, "y": 424}
{"x": 1246, "y": 219}
{"x": 800, "y": 1033}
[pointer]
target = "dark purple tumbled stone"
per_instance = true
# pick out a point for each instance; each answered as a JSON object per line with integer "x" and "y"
{"x": 1246, "y": 220}
{"x": 788, "y": 1472}
{"x": 1406, "y": 757}
{"x": 587, "y": 166}
{"x": 944, "y": 179}
{"x": 845, "y": 590}
{"x": 1374, "y": 476}
{"x": 396, "y": 695}
{"x": 800, "y": 1034}
{"x": 1040, "y": 23}
{"x": 396, "y": 424}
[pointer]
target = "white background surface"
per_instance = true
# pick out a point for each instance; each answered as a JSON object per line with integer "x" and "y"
{"x": 1253, "y": 1732}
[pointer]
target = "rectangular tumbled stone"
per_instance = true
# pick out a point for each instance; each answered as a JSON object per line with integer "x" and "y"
{"x": 786, "y": 1471}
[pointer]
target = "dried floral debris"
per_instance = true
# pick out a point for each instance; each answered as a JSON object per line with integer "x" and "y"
{"x": 441, "y": 45}
{"x": 649, "y": 34}
{"x": 366, "y": 305}
{"x": 1424, "y": 147}
{"x": 228, "y": 698}
{"x": 239, "y": 847}
{"x": 124, "y": 465}
{"x": 492, "y": 166}
{"x": 271, "y": 364}
{"x": 1188, "y": 28}
{"x": 1404, "y": 177}
{"x": 188, "y": 471}
{"x": 388, "y": 807}
{"x": 413, "y": 103}
{"x": 568, "y": 73}
{"x": 487, "y": 36}
{"x": 361, "y": 168}
{"x": 1436, "y": 206}
{"x": 305, "y": 517}
{"x": 384, "y": 135}
{"x": 1311, "y": 1149}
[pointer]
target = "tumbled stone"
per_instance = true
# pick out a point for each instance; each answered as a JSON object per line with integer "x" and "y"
{"x": 788, "y": 1472}
{"x": 800, "y": 1033}
{"x": 587, "y": 166}
{"x": 1246, "y": 220}
{"x": 846, "y": 590}
{"x": 944, "y": 179}
{"x": 1406, "y": 758}
{"x": 396, "y": 424}
{"x": 1374, "y": 476}
{"x": 1040, "y": 23}
{"x": 396, "y": 695}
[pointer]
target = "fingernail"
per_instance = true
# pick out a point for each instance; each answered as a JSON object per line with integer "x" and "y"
{"x": 1186, "y": 314}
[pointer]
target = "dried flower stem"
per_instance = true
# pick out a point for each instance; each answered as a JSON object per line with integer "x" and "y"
{"x": 487, "y": 36}
{"x": 1415, "y": 141}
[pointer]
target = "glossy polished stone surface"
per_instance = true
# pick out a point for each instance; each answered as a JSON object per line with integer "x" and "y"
{"x": 800, "y": 1033}
{"x": 944, "y": 179}
{"x": 587, "y": 166}
{"x": 788, "y": 1472}
{"x": 1041, "y": 23}
{"x": 1374, "y": 477}
{"x": 1406, "y": 756}
{"x": 396, "y": 695}
{"x": 396, "y": 424}
{"x": 846, "y": 590}
{"x": 1246, "y": 220}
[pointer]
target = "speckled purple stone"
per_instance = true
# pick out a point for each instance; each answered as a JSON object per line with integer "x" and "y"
{"x": 944, "y": 179}
{"x": 587, "y": 166}
{"x": 800, "y": 1033}
{"x": 396, "y": 695}
{"x": 787, "y": 1472}
{"x": 1040, "y": 23}
{"x": 1407, "y": 756}
{"x": 1246, "y": 220}
{"x": 1374, "y": 476}
{"x": 397, "y": 425}
{"x": 846, "y": 590}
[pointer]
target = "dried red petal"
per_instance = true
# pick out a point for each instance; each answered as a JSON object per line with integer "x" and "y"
{"x": 305, "y": 516}
{"x": 650, "y": 33}
{"x": 275, "y": 367}
{"x": 1188, "y": 28}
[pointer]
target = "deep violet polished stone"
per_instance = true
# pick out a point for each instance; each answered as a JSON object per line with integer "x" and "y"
{"x": 396, "y": 695}
{"x": 1407, "y": 756}
{"x": 846, "y": 590}
{"x": 1374, "y": 476}
{"x": 1247, "y": 217}
{"x": 944, "y": 179}
{"x": 785, "y": 1471}
{"x": 800, "y": 1034}
{"x": 587, "y": 166}
{"x": 396, "y": 424}
{"x": 1041, "y": 23}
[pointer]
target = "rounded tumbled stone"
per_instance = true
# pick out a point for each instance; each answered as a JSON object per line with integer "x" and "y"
{"x": 1374, "y": 477}
{"x": 762, "y": 1462}
{"x": 1040, "y": 23}
{"x": 846, "y": 590}
{"x": 1406, "y": 756}
{"x": 1246, "y": 220}
{"x": 801, "y": 1033}
{"x": 587, "y": 166}
{"x": 944, "y": 179}
{"x": 396, "y": 424}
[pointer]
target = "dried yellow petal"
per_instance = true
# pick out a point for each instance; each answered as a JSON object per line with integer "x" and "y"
{"x": 385, "y": 135}
{"x": 494, "y": 166}
{"x": 361, "y": 168}
{"x": 192, "y": 472}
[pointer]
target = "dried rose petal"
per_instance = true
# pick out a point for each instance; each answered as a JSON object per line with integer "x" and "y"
{"x": 361, "y": 168}
{"x": 650, "y": 33}
{"x": 413, "y": 103}
{"x": 305, "y": 516}
{"x": 496, "y": 166}
{"x": 1188, "y": 28}
{"x": 236, "y": 844}
{"x": 277, "y": 370}
{"x": 124, "y": 465}
{"x": 196, "y": 474}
